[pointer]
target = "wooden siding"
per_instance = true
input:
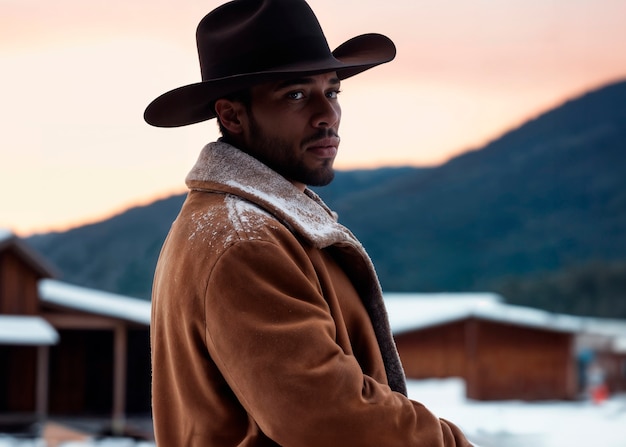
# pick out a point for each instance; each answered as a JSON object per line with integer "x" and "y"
{"x": 81, "y": 373}
{"x": 497, "y": 361}
{"x": 514, "y": 362}
{"x": 139, "y": 372}
{"x": 17, "y": 379}
{"x": 83, "y": 368}
{"x": 18, "y": 285}
{"x": 435, "y": 352}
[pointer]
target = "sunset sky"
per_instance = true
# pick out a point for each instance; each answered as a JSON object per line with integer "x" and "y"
{"x": 76, "y": 76}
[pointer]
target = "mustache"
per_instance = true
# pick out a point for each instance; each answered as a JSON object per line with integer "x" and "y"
{"x": 320, "y": 135}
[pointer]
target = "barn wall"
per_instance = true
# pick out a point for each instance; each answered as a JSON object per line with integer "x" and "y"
{"x": 513, "y": 362}
{"x": 17, "y": 379}
{"x": 497, "y": 361}
{"x": 18, "y": 286}
{"x": 139, "y": 372}
{"x": 435, "y": 352}
{"x": 81, "y": 373}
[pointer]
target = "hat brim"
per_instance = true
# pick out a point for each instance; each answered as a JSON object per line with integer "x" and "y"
{"x": 191, "y": 103}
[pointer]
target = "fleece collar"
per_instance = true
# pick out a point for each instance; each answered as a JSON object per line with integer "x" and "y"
{"x": 225, "y": 168}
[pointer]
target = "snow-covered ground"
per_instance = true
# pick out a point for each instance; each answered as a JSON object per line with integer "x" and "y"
{"x": 523, "y": 424}
{"x": 487, "y": 424}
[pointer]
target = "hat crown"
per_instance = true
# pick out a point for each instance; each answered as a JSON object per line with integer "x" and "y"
{"x": 247, "y": 36}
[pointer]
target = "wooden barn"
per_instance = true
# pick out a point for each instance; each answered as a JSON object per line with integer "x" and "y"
{"x": 501, "y": 351}
{"x": 25, "y": 337}
{"x": 68, "y": 351}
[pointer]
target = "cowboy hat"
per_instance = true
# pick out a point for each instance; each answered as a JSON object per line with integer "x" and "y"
{"x": 246, "y": 42}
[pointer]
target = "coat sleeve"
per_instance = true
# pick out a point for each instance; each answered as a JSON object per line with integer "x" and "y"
{"x": 269, "y": 330}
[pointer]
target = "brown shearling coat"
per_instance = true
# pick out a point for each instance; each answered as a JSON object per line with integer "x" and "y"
{"x": 268, "y": 325}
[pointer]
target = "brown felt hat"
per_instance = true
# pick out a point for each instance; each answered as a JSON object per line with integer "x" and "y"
{"x": 246, "y": 42}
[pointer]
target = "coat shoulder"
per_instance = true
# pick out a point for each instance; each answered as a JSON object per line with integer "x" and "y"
{"x": 216, "y": 221}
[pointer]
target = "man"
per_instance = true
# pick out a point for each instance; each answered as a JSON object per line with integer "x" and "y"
{"x": 268, "y": 323}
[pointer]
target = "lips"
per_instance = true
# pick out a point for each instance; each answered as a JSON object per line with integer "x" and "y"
{"x": 325, "y": 148}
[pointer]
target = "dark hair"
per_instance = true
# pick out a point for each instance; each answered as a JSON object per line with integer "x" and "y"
{"x": 243, "y": 96}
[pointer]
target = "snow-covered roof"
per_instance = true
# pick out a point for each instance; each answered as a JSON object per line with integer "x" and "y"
{"x": 604, "y": 326}
{"x": 410, "y": 311}
{"x": 602, "y": 333}
{"x": 94, "y": 301}
{"x": 26, "y": 330}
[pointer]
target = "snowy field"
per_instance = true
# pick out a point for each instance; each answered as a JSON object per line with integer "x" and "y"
{"x": 519, "y": 424}
{"x": 487, "y": 424}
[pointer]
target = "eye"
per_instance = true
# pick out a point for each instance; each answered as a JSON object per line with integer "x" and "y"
{"x": 333, "y": 94}
{"x": 295, "y": 95}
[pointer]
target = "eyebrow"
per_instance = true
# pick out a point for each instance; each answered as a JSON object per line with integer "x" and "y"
{"x": 302, "y": 81}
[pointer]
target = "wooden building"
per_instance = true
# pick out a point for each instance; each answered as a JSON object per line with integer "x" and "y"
{"x": 101, "y": 365}
{"x": 501, "y": 351}
{"x": 25, "y": 337}
{"x": 68, "y": 351}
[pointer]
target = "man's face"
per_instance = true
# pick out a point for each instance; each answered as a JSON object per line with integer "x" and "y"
{"x": 292, "y": 126}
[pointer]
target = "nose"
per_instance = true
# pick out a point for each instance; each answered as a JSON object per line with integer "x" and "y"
{"x": 327, "y": 112}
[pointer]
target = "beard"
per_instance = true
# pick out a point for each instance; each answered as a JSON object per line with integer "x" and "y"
{"x": 281, "y": 156}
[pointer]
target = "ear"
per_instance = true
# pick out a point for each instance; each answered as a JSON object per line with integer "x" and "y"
{"x": 231, "y": 114}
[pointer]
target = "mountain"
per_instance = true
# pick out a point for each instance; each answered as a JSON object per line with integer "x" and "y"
{"x": 534, "y": 206}
{"x": 546, "y": 195}
{"x": 118, "y": 254}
